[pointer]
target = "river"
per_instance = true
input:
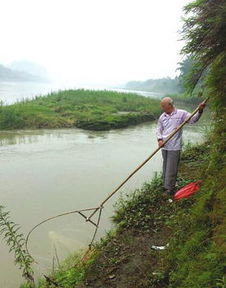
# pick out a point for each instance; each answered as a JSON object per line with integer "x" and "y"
{"x": 47, "y": 172}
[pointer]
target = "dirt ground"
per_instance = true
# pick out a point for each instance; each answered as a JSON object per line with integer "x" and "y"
{"x": 127, "y": 261}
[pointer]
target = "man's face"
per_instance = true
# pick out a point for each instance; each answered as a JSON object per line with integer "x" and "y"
{"x": 166, "y": 107}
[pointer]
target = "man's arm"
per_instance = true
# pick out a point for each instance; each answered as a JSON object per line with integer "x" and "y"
{"x": 159, "y": 133}
{"x": 196, "y": 117}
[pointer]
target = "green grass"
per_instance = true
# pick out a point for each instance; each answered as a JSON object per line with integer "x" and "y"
{"x": 86, "y": 109}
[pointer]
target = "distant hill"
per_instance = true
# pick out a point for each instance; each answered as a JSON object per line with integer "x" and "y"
{"x": 29, "y": 67}
{"x": 163, "y": 85}
{"x": 7, "y": 74}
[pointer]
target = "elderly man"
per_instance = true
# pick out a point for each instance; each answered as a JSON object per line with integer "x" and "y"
{"x": 169, "y": 120}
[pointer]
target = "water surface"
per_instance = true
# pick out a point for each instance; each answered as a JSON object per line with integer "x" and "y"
{"x": 47, "y": 172}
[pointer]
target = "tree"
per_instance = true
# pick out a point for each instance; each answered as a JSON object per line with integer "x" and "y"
{"x": 185, "y": 68}
{"x": 205, "y": 255}
{"x": 205, "y": 33}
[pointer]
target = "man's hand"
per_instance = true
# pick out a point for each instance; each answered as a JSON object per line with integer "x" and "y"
{"x": 201, "y": 107}
{"x": 161, "y": 143}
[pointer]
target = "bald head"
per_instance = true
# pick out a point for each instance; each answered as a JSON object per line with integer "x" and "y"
{"x": 167, "y": 105}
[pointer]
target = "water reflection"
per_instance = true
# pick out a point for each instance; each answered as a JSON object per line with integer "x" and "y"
{"x": 35, "y": 136}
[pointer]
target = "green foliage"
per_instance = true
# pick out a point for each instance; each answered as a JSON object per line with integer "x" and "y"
{"x": 199, "y": 229}
{"x": 204, "y": 31}
{"x": 10, "y": 116}
{"x": 70, "y": 272}
{"x": 185, "y": 67}
{"x": 196, "y": 153}
{"x": 198, "y": 242}
{"x": 188, "y": 68}
{"x": 15, "y": 240}
{"x": 145, "y": 208}
{"x": 67, "y": 275}
{"x": 94, "y": 110}
{"x": 192, "y": 249}
{"x": 163, "y": 85}
{"x": 221, "y": 283}
{"x": 134, "y": 210}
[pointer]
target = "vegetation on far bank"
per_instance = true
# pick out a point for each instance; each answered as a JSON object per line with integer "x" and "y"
{"x": 86, "y": 109}
{"x": 163, "y": 85}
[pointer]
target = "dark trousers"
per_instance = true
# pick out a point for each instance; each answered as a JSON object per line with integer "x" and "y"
{"x": 171, "y": 160}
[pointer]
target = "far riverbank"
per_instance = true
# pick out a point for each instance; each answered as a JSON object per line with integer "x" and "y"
{"x": 86, "y": 109}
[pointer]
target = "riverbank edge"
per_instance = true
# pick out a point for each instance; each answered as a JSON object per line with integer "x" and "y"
{"x": 155, "y": 242}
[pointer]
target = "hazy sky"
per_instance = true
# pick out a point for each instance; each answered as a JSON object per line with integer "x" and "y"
{"x": 94, "y": 41}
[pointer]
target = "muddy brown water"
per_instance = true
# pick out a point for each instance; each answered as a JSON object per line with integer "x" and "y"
{"x": 47, "y": 172}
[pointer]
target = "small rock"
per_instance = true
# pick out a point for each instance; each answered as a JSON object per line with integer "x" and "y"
{"x": 111, "y": 276}
{"x": 158, "y": 247}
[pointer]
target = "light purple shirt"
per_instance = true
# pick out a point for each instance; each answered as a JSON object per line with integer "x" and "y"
{"x": 168, "y": 123}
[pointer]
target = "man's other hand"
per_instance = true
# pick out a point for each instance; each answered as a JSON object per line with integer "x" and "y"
{"x": 201, "y": 107}
{"x": 161, "y": 143}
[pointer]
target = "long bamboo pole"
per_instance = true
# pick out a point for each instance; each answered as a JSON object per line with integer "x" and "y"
{"x": 145, "y": 161}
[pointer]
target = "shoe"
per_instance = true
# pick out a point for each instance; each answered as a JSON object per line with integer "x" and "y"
{"x": 166, "y": 195}
{"x": 169, "y": 192}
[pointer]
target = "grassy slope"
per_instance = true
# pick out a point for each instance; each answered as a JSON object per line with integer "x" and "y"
{"x": 194, "y": 228}
{"x": 94, "y": 110}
